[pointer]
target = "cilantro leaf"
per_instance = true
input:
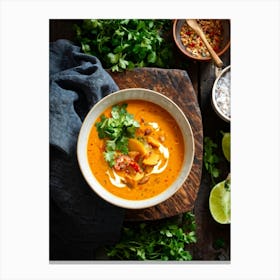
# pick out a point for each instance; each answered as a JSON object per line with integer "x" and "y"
{"x": 210, "y": 159}
{"x": 110, "y": 145}
{"x": 165, "y": 240}
{"x": 126, "y": 43}
{"x": 122, "y": 145}
{"x": 110, "y": 157}
{"x": 116, "y": 131}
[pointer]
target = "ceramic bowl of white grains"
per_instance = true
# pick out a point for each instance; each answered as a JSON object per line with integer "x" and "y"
{"x": 221, "y": 95}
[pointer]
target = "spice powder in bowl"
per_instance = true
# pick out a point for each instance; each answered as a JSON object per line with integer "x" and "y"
{"x": 221, "y": 95}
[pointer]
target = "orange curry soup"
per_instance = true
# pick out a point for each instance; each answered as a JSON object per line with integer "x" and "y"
{"x": 154, "y": 159}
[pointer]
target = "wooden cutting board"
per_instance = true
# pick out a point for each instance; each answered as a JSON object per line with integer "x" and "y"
{"x": 176, "y": 85}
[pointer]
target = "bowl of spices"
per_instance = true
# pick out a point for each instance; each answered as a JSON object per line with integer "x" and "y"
{"x": 221, "y": 94}
{"x": 217, "y": 32}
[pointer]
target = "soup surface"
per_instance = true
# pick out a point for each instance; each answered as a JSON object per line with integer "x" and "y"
{"x": 135, "y": 150}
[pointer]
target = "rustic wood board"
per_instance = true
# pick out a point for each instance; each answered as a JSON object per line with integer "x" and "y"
{"x": 176, "y": 85}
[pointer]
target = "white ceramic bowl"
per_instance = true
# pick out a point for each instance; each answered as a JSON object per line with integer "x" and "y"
{"x": 221, "y": 94}
{"x": 132, "y": 94}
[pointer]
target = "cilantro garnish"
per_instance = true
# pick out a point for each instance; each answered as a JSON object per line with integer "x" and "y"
{"x": 116, "y": 130}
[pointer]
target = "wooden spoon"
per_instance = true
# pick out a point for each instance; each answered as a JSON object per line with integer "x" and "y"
{"x": 194, "y": 25}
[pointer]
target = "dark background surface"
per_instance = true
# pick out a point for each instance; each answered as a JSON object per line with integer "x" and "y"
{"x": 213, "y": 239}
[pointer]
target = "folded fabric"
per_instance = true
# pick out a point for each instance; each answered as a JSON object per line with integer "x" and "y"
{"x": 80, "y": 221}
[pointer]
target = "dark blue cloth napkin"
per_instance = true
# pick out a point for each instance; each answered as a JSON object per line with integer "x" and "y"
{"x": 80, "y": 221}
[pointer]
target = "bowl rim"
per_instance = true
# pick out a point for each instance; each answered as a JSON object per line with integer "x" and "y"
{"x": 187, "y": 53}
{"x": 89, "y": 120}
{"x": 213, "y": 99}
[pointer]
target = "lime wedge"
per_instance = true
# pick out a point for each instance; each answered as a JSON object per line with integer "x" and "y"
{"x": 219, "y": 202}
{"x": 226, "y": 145}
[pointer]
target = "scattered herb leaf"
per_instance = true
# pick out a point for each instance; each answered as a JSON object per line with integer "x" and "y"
{"x": 210, "y": 159}
{"x": 166, "y": 240}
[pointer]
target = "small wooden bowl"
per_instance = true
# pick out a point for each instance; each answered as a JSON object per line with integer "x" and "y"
{"x": 177, "y": 26}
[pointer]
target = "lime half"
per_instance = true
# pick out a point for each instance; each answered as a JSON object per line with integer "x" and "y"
{"x": 226, "y": 145}
{"x": 219, "y": 202}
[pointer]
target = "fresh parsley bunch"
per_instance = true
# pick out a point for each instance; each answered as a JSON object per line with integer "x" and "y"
{"x": 125, "y": 43}
{"x": 117, "y": 130}
{"x": 166, "y": 240}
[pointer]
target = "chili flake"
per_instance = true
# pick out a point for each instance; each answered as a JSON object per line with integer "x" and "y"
{"x": 213, "y": 31}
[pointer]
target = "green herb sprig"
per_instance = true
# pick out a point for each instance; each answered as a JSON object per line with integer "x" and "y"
{"x": 164, "y": 241}
{"x": 211, "y": 159}
{"x": 116, "y": 130}
{"x": 125, "y": 43}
